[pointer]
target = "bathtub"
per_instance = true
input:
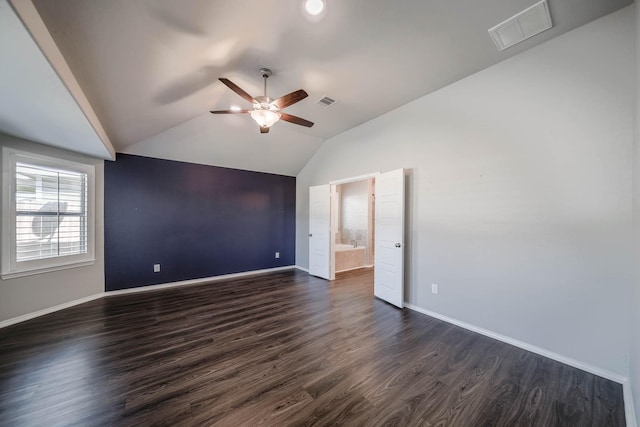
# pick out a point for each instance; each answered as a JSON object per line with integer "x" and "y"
{"x": 348, "y": 257}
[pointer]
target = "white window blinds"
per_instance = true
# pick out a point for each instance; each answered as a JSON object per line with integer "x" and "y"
{"x": 51, "y": 212}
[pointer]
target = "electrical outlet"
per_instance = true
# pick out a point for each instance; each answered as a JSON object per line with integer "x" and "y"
{"x": 156, "y": 268}
{"x": 277, "y": 254}
{"x": 434, "y": 288}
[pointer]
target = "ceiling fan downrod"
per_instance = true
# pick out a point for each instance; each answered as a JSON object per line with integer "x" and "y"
{"x": 265, "y": 73}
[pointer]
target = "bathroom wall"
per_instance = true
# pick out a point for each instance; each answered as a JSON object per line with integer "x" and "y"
{"x": 354, "y": 212}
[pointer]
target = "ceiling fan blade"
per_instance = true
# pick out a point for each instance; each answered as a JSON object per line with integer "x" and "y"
{"x": 290, "y": 99}
{"x": 234, "y": 87}
{"x": 295, "y": 119}
{"x": 230, "y": 112}
{"x": 264, "y": 130}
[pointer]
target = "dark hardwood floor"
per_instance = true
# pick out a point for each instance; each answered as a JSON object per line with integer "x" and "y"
{"x": 280, "y": 349}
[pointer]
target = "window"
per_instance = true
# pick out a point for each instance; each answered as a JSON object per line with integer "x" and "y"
{"x": 47, "y": 221}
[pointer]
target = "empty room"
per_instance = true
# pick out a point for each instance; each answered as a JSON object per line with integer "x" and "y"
{"x": 320, "y": 212}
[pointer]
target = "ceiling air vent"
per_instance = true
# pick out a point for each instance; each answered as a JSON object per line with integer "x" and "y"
{"x": 520, "y": 27}
{"x": 326, "y": 102}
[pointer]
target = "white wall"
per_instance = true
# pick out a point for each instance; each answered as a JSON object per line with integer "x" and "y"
{"x": 519, "y": 192}
{"x": 635, "y": 309}
{"x": 29, "y": 294}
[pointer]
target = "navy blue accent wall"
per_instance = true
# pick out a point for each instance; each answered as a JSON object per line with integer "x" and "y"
{"x": 195, "y": 221}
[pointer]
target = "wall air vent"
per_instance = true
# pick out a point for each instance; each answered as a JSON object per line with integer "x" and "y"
{"x": 326, "y": 102}
{"x": 520, "y": 27}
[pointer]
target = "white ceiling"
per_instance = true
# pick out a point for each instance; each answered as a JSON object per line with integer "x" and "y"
{"x": 149, "y": 68}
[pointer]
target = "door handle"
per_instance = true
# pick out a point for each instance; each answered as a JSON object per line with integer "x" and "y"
{"x": 310, "y": 235}
{"x": 397, "y": 245}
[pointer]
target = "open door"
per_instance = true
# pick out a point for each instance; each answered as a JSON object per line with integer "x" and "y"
{"x": 319, "y": 231}
{"x": 388, "y": 279}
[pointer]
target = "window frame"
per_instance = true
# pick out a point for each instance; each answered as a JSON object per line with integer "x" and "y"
{"x": 10, "y": 267}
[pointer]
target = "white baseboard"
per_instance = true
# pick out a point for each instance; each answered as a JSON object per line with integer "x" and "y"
{"x": 39, "y": 313}
{"x": 306, "y": 270}
{"x": 629, "y": 411}
{"x": 197, "y": 281}
{"x": 532, "y": 348}
{"x": 49, "y": 310}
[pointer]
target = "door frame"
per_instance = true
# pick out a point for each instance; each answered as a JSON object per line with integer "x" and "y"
{"x": 332, "y": 223}
{"x": 355, "y": 178}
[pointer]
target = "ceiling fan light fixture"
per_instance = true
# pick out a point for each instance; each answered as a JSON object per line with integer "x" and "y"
{"x": 314, "y": 7}
{"x": 265, "y": 118}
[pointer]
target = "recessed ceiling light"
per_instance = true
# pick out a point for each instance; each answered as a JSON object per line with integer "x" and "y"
{"x": 235, "y": 108}
{"x": 314, "y": 7}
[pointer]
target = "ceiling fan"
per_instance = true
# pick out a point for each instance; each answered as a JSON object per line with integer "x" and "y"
{"x": 266, "y": 111}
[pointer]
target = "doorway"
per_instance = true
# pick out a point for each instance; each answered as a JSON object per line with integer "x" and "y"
{"x": 353, "y": 224}
{"x": 387, "y": 233}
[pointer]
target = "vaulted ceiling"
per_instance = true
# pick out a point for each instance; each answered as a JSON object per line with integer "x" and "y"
{"x": 150, "y": 68}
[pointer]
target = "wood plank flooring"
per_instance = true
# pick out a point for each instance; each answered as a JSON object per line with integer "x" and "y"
{"x": 280, "y": 349}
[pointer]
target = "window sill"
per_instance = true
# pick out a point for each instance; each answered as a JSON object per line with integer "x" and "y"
{"x": 16, "y": 274}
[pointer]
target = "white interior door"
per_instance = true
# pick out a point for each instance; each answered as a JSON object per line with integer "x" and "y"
{"x": 319, "y": 231}
{"x": 388, "y": 281}
{"x": 333, "y": 227}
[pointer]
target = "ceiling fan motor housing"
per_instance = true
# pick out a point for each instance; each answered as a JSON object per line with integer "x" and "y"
{"x": 264, "y": 103}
